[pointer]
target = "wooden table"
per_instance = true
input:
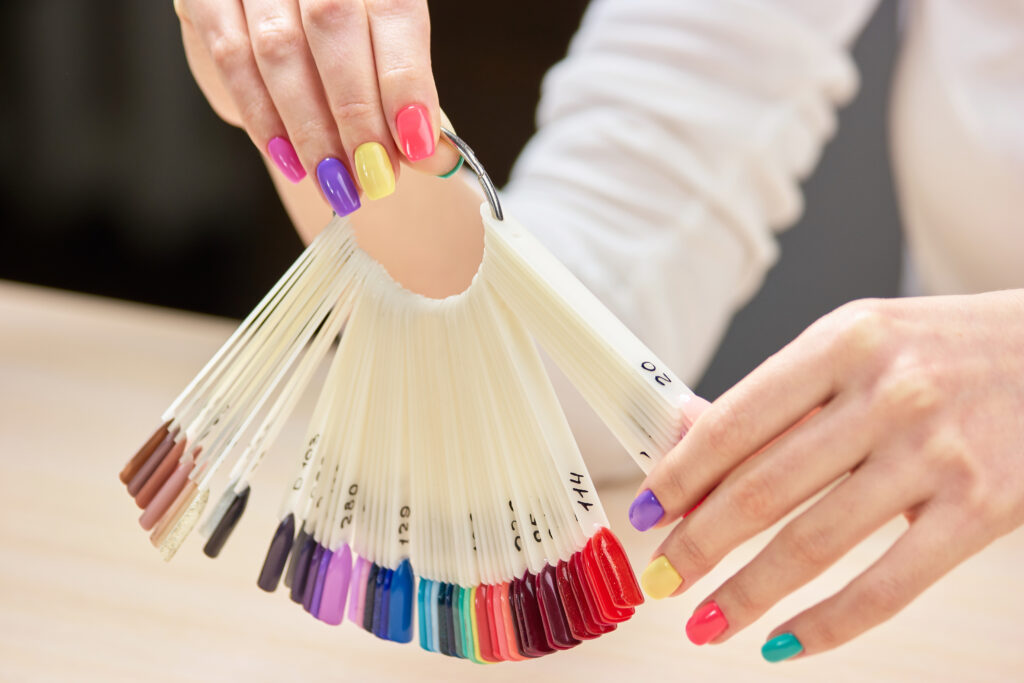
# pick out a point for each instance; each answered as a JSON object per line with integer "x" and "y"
{"x": 83, "y": 596}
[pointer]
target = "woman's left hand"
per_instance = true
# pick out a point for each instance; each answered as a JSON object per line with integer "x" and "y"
{"x": 915, "y": 405}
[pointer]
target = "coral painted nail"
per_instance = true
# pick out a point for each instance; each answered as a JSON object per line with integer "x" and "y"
{"x": 645, "y": 511}
{"x": 284, "y": 157}
{"x": 706, "y": 624}
{"x": 414, "y": 132}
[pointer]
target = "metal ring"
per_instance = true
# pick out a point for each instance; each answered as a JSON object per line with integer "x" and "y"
{"x": 485, "y": 181}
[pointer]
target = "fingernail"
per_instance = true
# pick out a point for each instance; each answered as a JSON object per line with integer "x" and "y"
{"x": 781, "y": 648}
{"x": 337, "y": 185}
{"x": 284, "y": 157}
{"x": 660, "y": 579}
{"x": 414, "y": 133}
{"x": 706, "y": 624}
{"x": 374, "y": 170}
{"x": 645, "y": 511}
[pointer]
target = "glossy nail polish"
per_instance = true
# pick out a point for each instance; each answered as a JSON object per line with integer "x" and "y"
{"x": 585, "y": 597}
{"x": 607, "y": 610}
{"x": 483, "y": 625}
{"x": 277, "y": 554}
{"x": 781, "y": 647}
{"x": 414, "y": 132}
{"x": 318, "y": 586}
{"x": 706, "y": 624}
{"x": 340, "y": 191}
{"x": 335, "y": 588}
{"x": 552, "y": 611}
{"x": 284, "y": 157}
{"x": 645, "y": 511}
{"x": 371, "y": 596}
{"x": 226, "y": 524}
{"x": 310, "y": 585}
{"x": 373, "y": 168}
{"x": 618, "y": 574}
{"x": 302, "y": 561}
{"x": 400, "y": 614}
{"x": 660, "y": 579}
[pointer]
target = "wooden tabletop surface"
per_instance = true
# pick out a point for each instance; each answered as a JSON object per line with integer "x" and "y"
{"x": 83, "y": 595}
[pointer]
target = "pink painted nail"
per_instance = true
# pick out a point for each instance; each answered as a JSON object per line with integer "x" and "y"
{"x": 284, "y": 157}
{"x": 414, "y": 132}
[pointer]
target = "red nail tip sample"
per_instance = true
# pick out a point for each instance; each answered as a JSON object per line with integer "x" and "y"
{"x": 483, "y": 625}
{"x": 570, "y": 603}
{"x": 585, "y": 596}
{"x": 611, "y": 558}
{"x": 535, "y": 639}
{"x": 606, "y": 607}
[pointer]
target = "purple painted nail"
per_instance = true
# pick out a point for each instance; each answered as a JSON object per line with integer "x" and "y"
{"x": 284, "y": 157}
{"x": 338, "y": 187}
{"x": 645, "y": 511}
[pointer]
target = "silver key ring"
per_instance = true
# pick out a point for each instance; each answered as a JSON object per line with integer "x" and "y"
{"x": 485, "y": 181}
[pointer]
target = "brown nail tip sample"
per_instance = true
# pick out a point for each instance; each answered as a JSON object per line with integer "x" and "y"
{"x": 228, "y": 521}
{"x": 138, "y": 480}
{"x": 161, "y": 474}
{"x": 277, "y": 554}
{"x": 141, "y": 455}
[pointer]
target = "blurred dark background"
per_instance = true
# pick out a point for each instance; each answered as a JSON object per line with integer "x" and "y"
{"x": 117, "y": 178}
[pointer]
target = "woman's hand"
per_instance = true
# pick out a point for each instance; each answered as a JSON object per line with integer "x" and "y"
{"x": 323, "y": 86}
{"x": 919, "y": 411}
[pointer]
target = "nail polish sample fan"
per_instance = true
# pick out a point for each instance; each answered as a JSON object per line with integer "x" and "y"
{"x": 439, "y": 489}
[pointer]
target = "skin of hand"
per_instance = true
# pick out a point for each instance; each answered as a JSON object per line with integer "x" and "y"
{"x": 328, "y": 76}
{"x": 906, "y": 406}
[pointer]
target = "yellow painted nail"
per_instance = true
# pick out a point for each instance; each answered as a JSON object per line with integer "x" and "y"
{"x": 374, "y": 170}
{"x": 660, "y": 578}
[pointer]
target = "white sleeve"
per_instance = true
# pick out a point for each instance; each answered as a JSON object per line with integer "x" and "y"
{"x": 671, "y": 142}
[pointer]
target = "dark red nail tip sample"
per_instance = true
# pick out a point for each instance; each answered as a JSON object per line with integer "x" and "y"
{"x": 618, "y": 574}
{"x": 516, "y": 619}
{"x": 570, "y": 604}
{"x": 535, "y": 641}
{"x": 552, "y": 611}
{"x": 277, "y": 554}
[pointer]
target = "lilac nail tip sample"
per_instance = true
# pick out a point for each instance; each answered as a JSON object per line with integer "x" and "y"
{"x": 338, "y": 187}
{"x": 645, "y": 511}
{"x": 336, "y": 586}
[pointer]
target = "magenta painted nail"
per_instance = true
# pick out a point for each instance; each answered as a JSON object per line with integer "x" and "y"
{"x": 284, "y": 157}
{"x": 645, "y": 511}
{"x": 337, "y": 185}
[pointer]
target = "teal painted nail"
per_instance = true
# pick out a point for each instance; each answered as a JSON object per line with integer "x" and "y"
{"x": 781, "y": 647}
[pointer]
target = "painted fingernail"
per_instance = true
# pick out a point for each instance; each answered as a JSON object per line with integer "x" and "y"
{"x": 284, "y": 157}
{"x": 660, "y": 579}
{"x": 337, "y": 185}
{"x": 374, "y": 170}
{"x": 706, "y": 624}
{"x": 414, "y": 132}
{"x": 645, "y": 511}
{"x": 781, "y": 648}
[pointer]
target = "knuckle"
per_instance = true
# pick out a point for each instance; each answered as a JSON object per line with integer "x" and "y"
{"x": 822, "y": 635}
{"x": 277, "y": 39}
{"x": 392, "y": 8}
{"x": 753, "y": 496}
{"x": 327, "y": 14}
{"x": 721, "y": 425}
{"x": 863, "y": 328}
{"x": 230, "y": 50}
{"x": 909, "y": 390}
{"x": 743, "y": 600}
{"x": 883, "y": 597}
{"x": 694, "y": 555}
{"x": 809, "y": 545}
{"x": 355, "y": 112}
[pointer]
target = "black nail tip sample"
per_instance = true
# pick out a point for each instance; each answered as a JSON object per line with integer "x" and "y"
{"x": 302, "y": 569}
{"x": 309, "y": 588}
{"x": 227, "y": 524}
{"x": 277, "y": 554}
{"x": 371, "y": 593}
{"x": 293, "y": 557}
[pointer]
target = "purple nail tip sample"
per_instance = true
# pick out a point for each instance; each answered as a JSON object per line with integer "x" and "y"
{"x": 645, "y": 511}
{"x": 335, "y": 590}
{"x": 277, "y": 554}
{"x": 337, "y": 185}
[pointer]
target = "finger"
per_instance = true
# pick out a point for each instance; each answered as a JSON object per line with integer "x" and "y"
{"x": 742, "y": 421}
{"x": 874, "y": 494}
{"x": 401, "y": 48}
{"x": 205, "y": 71}
{"x": 222, "y": 29}
{"x": 287, "y": 68}
{"x": 920, "y": 557}
{"x": 339, "y": 39}
{"x": 766, "y": 488}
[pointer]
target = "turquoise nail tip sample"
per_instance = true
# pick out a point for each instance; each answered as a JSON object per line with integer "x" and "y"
{"x": 781, "y": 647}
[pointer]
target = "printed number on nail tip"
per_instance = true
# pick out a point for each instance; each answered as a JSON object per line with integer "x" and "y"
{"x": 661, "y": 378}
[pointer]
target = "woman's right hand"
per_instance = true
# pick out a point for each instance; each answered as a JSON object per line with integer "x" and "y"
{"x": 326, "y": 87}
